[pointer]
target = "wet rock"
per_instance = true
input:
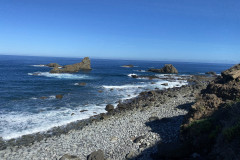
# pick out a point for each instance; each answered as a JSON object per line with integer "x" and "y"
{"x": 100, "y": 91}
{"x": 59, "y": 96}
{"x": 96, "y": 155}
{"x": 109, "y": 108}
{"x": 165, "y": 84}
{"x": 168, "y": 68}
{"x": 84, "y": 65}
{"x": 69, "y": 157}
{"x": 84, "y": 110}
{"x": 43, "y": 97}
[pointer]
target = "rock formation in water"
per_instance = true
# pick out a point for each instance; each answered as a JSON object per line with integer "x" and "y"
{"x": 53, "y": 65}
{"x": 84, "y": 65}
{"x": 168, "y": 68}
{"x": 128, "y": 66}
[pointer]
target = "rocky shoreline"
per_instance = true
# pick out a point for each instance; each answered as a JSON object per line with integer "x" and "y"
{"x": 134, "y": 127}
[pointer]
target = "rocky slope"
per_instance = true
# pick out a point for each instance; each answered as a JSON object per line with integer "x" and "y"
{"x": 211, "y": 129}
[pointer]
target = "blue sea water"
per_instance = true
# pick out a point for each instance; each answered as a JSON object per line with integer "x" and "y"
{"x": 22, "y": 111}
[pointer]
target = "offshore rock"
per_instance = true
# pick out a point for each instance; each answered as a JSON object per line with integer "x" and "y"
{"x": 168, "y": 68}
{"x": 53, "y": 65}
{"x": 84, "y": 65}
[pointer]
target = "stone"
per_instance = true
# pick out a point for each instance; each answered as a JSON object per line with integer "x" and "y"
{"x": 130, "y": 155}
{"x": 69, "y": 157}
{"x": 84, "y": 110}
{"x": 168, "y": 68}
{"x": 165, "y": 84}
{"x": 232, "y": 73}
{"x": 43, "y": 97}
{"x": 109, "y": 108}
{"x": 138, "y": 139}
{"x": 96, "y": 155}
{"x": 84, "y": 65}
{"x": 153, "y": 118}
{"x": 59, "y": 96}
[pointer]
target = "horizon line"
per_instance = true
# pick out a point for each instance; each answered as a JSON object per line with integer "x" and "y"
{"x": 115, "y": 58}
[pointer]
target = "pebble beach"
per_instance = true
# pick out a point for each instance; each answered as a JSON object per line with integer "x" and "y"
{"x": 151, "y": 118}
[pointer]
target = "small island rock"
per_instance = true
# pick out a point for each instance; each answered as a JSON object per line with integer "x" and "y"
{"x": 84, "y": 65}
{"x": 168, "y": 68}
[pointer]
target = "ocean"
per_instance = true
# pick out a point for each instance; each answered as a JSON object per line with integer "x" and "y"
{"x": 23, "y": 110}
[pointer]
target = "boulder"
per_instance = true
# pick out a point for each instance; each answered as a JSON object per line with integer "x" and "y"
{"x": 128, "y": 66}
{"x": 96, "y": 155}
{"x": 69, "y": 157}
{"x": 53, "y": 65}
{"x": 59, "y": 96}
{"x": 232, "y": 73}
{"x": 109, "y": 108}
{"x": 168, "y": 68}
{"x": 84, "y": 65}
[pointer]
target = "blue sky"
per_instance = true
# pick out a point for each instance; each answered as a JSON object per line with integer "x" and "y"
{"x": 184, "y": 30}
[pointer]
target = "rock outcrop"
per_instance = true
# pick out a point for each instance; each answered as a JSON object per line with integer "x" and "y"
{"x": 212, "y": 126}
{"x": 168, "y": 68}
{"x": 84, "y": 65}
{"x": 53, "y": 65}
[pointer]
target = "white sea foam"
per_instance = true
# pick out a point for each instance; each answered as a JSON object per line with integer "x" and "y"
{"x": 139, "y": 70}
{"x": 60, "y": 75}
{"x": 132, "y": 74}
{"x": 16, "y": 124}
{"x": 39, "y": 65}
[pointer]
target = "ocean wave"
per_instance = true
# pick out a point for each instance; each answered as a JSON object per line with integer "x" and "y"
{"x": 39, "y": 65}
{"x": 132, "y": 74}
{"x": 16, "y": 124}
{"x": 60, "y": 75}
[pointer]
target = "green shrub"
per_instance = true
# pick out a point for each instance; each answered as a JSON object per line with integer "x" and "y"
{"x": 232, "y": 132}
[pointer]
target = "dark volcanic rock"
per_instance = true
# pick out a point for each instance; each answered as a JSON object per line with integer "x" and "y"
{"x": 69, "y": 157}
{"x": 84, "y": 65}
{"x": 53, "y": 65}
{"x": 96, "y": 155}
{"x": 109, "y": 108}
{"x": 168, "y": 68}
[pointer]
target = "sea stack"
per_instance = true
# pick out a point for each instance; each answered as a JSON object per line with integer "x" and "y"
{"x": 168, "y": 68}
{"x": 84, "y": 65}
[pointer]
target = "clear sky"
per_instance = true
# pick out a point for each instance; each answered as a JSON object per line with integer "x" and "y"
{"x": 186, "y": 30}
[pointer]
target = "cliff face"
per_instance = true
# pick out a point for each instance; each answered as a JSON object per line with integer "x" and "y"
{"x": 84, "y": 65}
{"x": 212, "y": 127}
